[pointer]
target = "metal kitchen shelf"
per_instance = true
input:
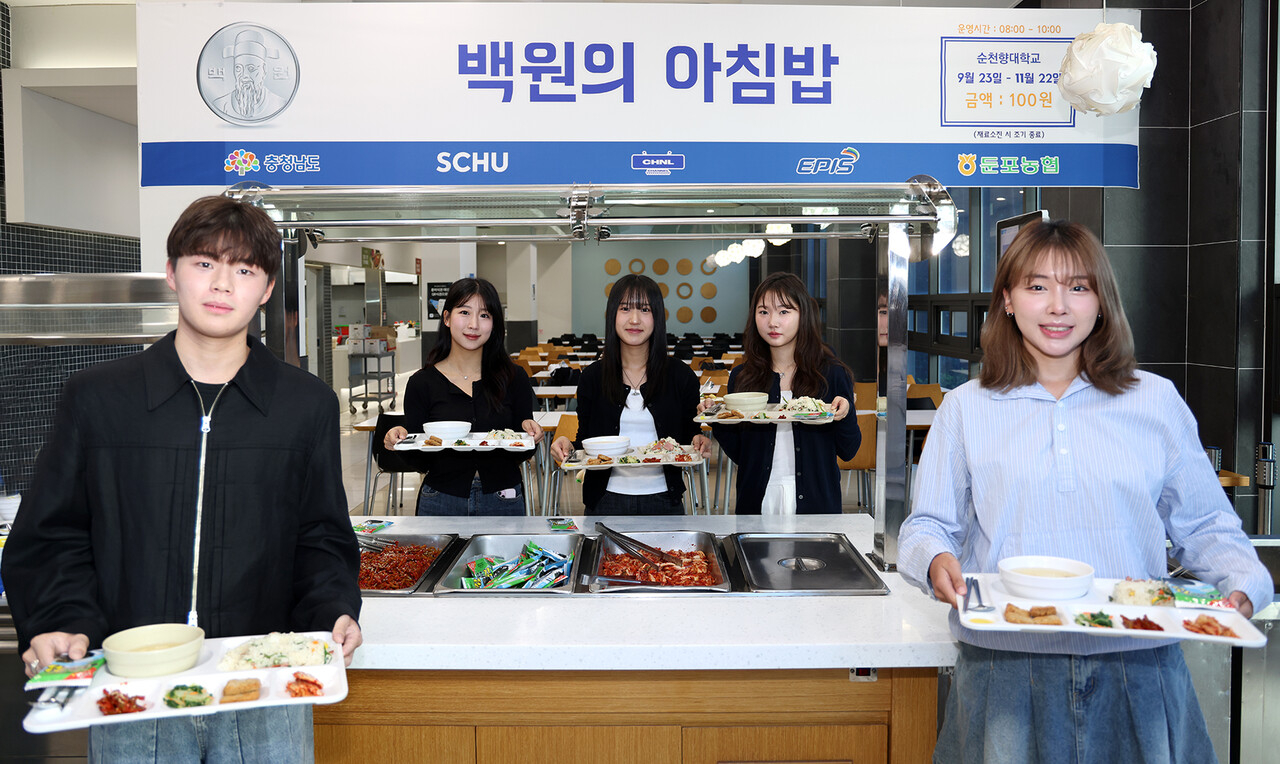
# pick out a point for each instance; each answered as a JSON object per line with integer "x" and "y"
{"x": 600, "y": 213}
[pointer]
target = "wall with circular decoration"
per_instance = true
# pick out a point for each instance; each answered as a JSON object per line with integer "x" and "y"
{"x": 697, "y": 296}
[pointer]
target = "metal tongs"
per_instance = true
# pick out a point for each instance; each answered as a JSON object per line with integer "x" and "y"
{"x": 373, "y": 544}
{"x": 634, "y": 547}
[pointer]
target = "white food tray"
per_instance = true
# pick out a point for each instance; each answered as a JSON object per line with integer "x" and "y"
{"x": 82, "y": 709}
{"x": 772, "y": 416}
{"x": 1098, "y": 598}
{"x": 580, "y": 457}
{"x": 475, "y": 441}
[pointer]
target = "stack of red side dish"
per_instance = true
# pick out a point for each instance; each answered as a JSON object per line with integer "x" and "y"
{"x": 693, "y": 570}
{"x": 396, "y": 567}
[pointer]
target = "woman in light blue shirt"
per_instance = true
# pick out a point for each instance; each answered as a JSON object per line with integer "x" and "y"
{"x": 1063, "y": 448}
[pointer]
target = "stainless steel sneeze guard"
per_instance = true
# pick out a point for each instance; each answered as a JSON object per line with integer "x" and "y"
{"x": 86, "y": 309}
{"x": 909, "y": 221}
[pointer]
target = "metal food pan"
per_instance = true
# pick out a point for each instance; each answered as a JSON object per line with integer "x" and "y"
{"x": 440, "y": 541}
{"x": 804, "y": 563}
{"x": 508, "y": 546}
{"x": 684, "y": 541}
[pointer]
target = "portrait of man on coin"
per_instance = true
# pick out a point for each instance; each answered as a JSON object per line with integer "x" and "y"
{"x": 250, "y": 98}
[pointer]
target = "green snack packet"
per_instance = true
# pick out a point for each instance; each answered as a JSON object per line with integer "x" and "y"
{"x": 1196, "y": 594}
{"x": 68, "y": 673}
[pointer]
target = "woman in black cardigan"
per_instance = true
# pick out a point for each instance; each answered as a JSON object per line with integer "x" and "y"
{"x": 786, "y": 468}
{"x": 637, "y": 391}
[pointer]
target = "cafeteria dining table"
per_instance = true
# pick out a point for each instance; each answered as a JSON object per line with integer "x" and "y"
{"x": 548, "y": 393}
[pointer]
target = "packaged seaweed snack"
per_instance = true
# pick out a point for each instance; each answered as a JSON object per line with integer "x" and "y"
{"x": 68, "y": 673}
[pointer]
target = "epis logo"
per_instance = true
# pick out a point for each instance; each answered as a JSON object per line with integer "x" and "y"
{"x": 841, "y": 165}
{"x": 240, "y": 161}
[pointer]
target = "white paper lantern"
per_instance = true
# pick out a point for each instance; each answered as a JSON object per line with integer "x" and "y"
{"x": 1105, "y": 70}
{"x": 722, "y": 258}
{"x": 777, "y": 228}
{"x": 753, "y": 247}
{"x": 736, "y": 252}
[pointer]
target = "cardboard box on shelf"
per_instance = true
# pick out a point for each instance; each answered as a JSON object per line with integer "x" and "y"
{"x": 358, "y": 331}
{"x": 387, "y": 333}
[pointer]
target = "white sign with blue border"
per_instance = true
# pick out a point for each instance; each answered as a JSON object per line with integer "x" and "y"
{"x": 375, "y": 94}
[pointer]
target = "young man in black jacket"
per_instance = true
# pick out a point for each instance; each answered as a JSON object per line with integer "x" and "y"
{"x": 198, "y": 481}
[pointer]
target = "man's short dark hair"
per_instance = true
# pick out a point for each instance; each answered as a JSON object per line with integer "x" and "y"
{"x": 231, "y": 231}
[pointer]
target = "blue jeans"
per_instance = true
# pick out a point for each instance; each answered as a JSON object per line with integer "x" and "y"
{"x": 272, "y": 735}
{"x": 1132, "y": 706}
{"x": 478, "y": 504}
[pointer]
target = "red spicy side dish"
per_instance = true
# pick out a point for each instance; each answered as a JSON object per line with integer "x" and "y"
{"x": 693, "y": 570}
{"x": 396, "y": 567}
{"x": 116, "y": 702}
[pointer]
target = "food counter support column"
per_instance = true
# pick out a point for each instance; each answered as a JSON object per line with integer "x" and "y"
{"x": 891, "y": 448}
{"x": 630, "y": 717}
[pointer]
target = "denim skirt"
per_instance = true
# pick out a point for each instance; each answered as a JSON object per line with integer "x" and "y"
{"x": 1135, "y": 707}
{"x": 477, "y": 504}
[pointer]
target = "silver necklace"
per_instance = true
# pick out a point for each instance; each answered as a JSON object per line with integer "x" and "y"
{"x": 635, "y": 389}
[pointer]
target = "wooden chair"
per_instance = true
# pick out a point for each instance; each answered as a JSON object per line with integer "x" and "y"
{"x": 523, "y": 363}
{"x": 864, "y": 462}
{"x": 864, "y": 396}
{"x": 568, "y": 427}
{"x": 696, "y": 362}
{"x": 717, "y": 377}
{"x": 932, "y": 391}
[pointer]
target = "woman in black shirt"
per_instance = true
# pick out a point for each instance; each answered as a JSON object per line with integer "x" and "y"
{"x": 469, "y": 376}
{"x": 637, "y": 391}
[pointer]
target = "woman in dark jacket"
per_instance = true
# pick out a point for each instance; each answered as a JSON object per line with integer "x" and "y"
{"x": 637, "y": 391}
{"x": 785, "y": 468}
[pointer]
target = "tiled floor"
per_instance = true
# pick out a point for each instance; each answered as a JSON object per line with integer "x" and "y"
{"x": 355, "y": 446}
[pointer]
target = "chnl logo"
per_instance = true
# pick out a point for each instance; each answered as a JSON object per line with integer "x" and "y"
{"x": 657, "y": 164}
{"x": 841, "y": 165}
{"x": 247, "y": 74}
{"x": 240, "y": 161}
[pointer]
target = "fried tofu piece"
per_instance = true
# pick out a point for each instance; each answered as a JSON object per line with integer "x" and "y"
{"x": 1040, "y": 615}
{"x": 434, "y": 440}
{"x": 241, "y": 690}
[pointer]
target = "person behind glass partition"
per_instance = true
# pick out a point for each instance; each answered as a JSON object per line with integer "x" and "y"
{"x": 469, "y": 377}
{"x": 636, "y": 390}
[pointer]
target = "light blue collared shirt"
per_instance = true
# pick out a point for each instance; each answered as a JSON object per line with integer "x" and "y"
{"x": 1094, "y": 477}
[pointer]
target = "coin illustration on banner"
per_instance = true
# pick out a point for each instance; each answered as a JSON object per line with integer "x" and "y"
{"x": 247, "y": 74}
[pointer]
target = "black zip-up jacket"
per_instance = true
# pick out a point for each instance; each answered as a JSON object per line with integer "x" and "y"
{"x": 104, "y": 538}
{"x": 750, "y": 446}
{"x": 673, "y": 412}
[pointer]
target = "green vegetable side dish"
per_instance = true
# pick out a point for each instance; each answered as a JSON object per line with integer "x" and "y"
{"x": 1098, "y": 620}
{"x": 187, "y": 696}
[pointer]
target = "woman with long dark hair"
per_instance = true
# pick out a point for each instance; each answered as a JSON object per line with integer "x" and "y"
{"x": 637, "y": 391}
{"x": 1063, "y": 447}
{"x": 469, "y": 376}
{"x": 784, "y": 468}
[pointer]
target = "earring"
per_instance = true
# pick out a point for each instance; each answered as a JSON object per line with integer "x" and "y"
{"x": 1008, "y": 314}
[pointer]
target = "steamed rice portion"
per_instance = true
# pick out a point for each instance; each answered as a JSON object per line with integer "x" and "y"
{"x": 276, "y": 649}
{"x": 1144, "y": 592}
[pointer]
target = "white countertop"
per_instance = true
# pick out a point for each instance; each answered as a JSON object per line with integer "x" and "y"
{"x": 655, "y": 632}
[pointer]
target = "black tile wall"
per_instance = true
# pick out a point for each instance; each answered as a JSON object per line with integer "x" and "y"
{"x": 326, "y": 326}
{"x": 31, "y": 378}
{"x": 1147, "y": 4}
{"x": 1153, "y": 289}
{"x": 1156, "y": 211}
{"x": 1215, "y": 59}
{"x": 1248, "y": 421}
{"x": 1250, "y": 300}
{"x": 1215, "y": 180}
{"x": 1211, "y": 317}
{"x": 1212, "y": 396}
{"x": 1164, "y": 104}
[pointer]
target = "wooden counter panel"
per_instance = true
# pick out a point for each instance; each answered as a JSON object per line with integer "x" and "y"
{"x": 622, "y": 698}
{"x": 786, "y": 745}
{"x": 915, "y": 714}
{"x": 361, "y": 744}
{"x": 578, "y": 745}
